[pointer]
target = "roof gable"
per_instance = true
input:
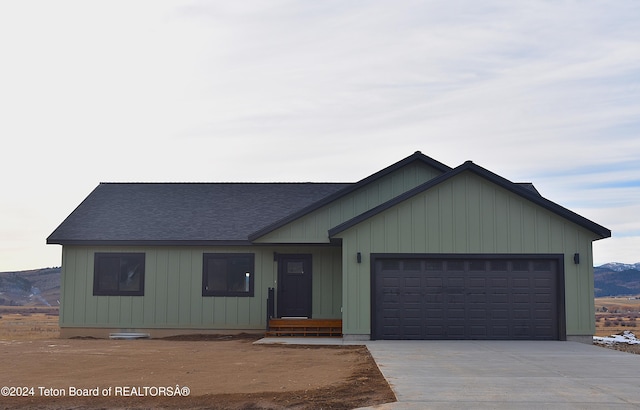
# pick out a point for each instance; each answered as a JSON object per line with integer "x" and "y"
{"x": 526, "y": 191}
{"x": 416, "y": 158}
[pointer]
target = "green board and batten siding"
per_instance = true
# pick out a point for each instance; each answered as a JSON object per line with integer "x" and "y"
{"x": 173, "y": 275}
{"x": 313, "y": 227}
{"x": 173, "y": 290}
{"x": 467, "y": 215}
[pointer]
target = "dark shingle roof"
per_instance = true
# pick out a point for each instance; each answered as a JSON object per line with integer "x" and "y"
{"x": 184, "y": 212}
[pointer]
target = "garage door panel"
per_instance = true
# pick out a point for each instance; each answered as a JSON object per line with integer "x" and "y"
{"x": 521, "y": 298}
{"x": 458, "y": 299}
{"x": 520, "y": 283}
{"x": 454, "y": 282}
{"x": 455, "y": 314}
{"x": 478, "y": 331}
{"x": 412, "y": 299}
{"x": 477, "y": 314}
{"x": 477, "y": 298}
{"x": 412, "y": 314}
{"x": 542, "y": 299}
{"x": 455, "y": 331}
{"x": 437, "y": 313}
{"x": 475, "y": 282}
{"x": 543, "y": 281}
{"x": 499, "y": 331}
{"x": 434, "y": 331}
{"x": 498, "y": 299}
{"x": 542, "y": 314}
{"x": 412, "y": 282}
{"x": 436, "y": 299}
{"x": 412, "y": 333}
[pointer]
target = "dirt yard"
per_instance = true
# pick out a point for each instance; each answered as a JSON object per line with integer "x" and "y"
{"x": 225, "y": 372}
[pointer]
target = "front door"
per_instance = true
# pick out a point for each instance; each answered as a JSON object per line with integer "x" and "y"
{"x": 294, "y": 286}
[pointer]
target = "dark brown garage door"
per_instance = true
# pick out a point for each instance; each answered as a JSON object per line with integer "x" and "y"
{"x": 451, "y": 298}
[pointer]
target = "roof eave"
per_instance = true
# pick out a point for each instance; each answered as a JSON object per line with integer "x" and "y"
{"x": 145, "y": 242}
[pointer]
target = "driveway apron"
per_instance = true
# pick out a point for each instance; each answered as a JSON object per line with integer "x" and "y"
{"x": 507, "y": 375}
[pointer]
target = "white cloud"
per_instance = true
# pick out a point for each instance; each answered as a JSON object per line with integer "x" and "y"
{"x": 206, "y": 91}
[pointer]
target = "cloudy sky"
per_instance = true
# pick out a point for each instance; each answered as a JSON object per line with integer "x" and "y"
{"x": 119, "y": 91}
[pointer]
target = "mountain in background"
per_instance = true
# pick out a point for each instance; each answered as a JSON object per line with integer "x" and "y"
{"x": 617, "y": 279}
{"x": 38, "y": 287}
{"x": 41, "y": 287}
{"x": 619, "y": 267}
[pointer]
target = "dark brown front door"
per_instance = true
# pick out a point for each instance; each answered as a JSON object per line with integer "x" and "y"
{"x": 294, "y": 286}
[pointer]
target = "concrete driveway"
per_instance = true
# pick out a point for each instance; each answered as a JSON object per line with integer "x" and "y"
{"x": 507, "y": 375}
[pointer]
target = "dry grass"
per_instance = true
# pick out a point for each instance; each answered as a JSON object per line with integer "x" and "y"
{"x": 615, "y": 315}
{"x": 28, "y": 323}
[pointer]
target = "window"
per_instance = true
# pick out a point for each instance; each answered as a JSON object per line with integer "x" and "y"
{"x": 412, "y": 265}
{"x": 390, "y": 265}
{"x": 521, "y": 266}
{"x": 118, "y": 274}
{"x": 542, "y": 266}
{"x": 227, "y": 274}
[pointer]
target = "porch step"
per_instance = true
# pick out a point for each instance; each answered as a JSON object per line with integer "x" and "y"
{"x": 305, "y": 327}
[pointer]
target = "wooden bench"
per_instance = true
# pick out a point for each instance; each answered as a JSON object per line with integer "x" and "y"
{"x": 305, "y": 327}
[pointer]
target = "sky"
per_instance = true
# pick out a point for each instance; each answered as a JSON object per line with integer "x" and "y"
{"x": 218, "y": 91}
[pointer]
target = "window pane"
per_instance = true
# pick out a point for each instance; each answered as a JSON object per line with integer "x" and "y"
{"x": 217, "y": 274}
{"x": 228, "y": 275}
{"x": 107, "y": 273}
{"x": 118, "y": 274}
{"x": 131, "y": 271}
{"x": 295, "y": 267}
{"x": 239, "y": 274}
{"x": 542, "y": 266}
{"x": 412, "y": 265}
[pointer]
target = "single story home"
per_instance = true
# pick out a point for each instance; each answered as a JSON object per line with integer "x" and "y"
{"x": 417, "y": 250}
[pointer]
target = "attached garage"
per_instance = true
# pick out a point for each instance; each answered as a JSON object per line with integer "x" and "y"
{"x": 489, "y": 297}
{"x": 468, "y": 255}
